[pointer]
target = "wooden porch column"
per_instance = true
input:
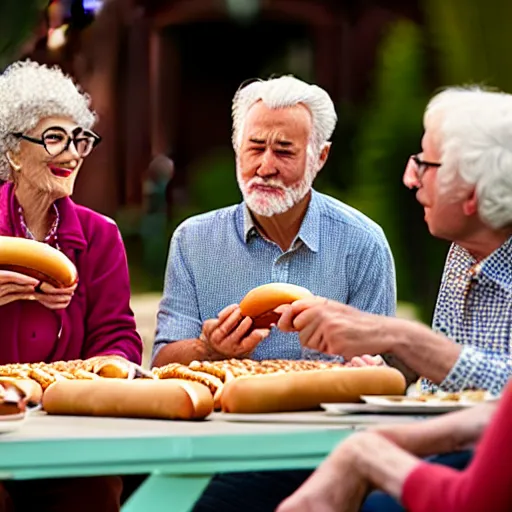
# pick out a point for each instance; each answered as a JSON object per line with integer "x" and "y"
{"x": 326, "y": 51}
{"x": 135, "y": 112}
{"x": 164, "y": 90}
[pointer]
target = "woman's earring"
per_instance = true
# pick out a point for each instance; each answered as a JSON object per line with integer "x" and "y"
{"x": 14, "y": 165}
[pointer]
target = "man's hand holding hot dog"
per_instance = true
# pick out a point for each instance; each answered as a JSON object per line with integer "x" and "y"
{"x": 334, "y": 328}
{"x": 230, "y": 335}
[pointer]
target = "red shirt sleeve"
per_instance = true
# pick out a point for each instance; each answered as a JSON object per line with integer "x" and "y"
{"x": 485, "y": 485}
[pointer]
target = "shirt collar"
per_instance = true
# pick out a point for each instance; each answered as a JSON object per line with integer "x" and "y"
{"x": 69, "y": 230}
{"x": 309, "y": 232}
{"x": 497, "y": 266}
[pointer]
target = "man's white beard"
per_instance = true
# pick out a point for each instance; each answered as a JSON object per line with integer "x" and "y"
{"x": 269, "y": 204}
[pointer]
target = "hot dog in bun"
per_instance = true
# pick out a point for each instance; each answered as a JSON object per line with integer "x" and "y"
{"x": 140, "y": 398}
{"x": 303, "y": 391}
{"x": 38, "y": 260}
{"x": 260, "y": 303}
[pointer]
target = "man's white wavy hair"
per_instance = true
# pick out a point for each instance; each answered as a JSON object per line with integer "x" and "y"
{"x": 475, "y": 134}
{"x": 286, "y": 91}
{"x": 30, "y": 92}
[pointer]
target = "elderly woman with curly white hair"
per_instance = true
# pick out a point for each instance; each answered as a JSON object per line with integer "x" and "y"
{"x": 45, "y": 134}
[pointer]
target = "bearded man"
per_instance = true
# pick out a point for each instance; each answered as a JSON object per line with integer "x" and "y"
{"x": 283, "y": 231}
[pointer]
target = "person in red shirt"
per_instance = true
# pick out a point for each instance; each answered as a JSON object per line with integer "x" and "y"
{"x": 387, "y": 459}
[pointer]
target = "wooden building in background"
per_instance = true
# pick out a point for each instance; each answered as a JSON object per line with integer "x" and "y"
{"x": 162, "y": 73}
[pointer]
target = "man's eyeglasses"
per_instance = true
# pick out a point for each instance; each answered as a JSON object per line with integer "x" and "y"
{"x": 422, "y": 166}
{"x": 56, "y": 140}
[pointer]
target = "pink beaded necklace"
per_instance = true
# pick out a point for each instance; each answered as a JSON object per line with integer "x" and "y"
{"x": 51, "y": 237}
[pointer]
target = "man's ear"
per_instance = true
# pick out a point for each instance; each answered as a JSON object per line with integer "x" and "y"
{"x": 324, "y": 154}
{"x": 12, "y": 161}
{"x": 470, "y": 205}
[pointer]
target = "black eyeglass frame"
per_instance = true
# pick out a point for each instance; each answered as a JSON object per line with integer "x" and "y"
{"x": 422, "y": 165}
{"x": 73, "y": 137}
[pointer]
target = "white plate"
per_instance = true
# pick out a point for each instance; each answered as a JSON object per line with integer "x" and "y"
{"x": 391, "y": 408}
{"x": 410, "y": 405}
{"x": 350, "y": 408}
{"x": 11, "y": 422}
{"x": 315, "y": 417}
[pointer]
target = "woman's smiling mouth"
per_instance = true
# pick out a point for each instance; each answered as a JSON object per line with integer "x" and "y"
{"x": 60, "y": 172}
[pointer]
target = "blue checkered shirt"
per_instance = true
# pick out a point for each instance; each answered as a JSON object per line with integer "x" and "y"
{"x": 474, "y": 308}
{"x": 217, "y": 257}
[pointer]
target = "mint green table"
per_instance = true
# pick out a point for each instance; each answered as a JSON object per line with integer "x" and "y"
{"x": 181, "y": 457}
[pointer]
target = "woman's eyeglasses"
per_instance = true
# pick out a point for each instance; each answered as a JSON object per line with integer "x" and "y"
{"x": 56, "y": 140}
{"x": 422, "y": 166}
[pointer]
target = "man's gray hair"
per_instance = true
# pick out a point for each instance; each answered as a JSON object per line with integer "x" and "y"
{"x": 286, "y": 91}
{"x": 30, "y": 92}
{"x": 475, "y": 130}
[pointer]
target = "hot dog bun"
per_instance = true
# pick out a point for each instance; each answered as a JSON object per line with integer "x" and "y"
{"x": 37, "y": 260}
{"x": 260, "y": 302}
{"x": 302, "y": 391}
{"x": 31, "y": 390}
{"x": 139, "y": 398}
{"x": 112, "y": 367}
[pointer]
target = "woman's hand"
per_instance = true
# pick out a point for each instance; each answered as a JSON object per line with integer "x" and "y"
{"x": 15, "y": 286}
{"x": 55, "y": 298}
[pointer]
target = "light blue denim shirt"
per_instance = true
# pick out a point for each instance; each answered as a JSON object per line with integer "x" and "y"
{"x": 217, "y": 257}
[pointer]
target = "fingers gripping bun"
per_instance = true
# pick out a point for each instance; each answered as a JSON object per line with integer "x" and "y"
{"x": 260, "y": 302}
{"x": 38, "y": 260}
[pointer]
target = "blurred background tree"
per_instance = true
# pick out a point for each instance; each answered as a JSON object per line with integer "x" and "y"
{"x": 390, "y": 129}
{"x": 460, "y": 43}
{"x": 471, "y": 41}
{"x": 18, "y": 23}
{"x": 381, "y": 60}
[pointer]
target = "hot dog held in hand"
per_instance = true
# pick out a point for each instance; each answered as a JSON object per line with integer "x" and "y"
{"x": 338, "y": 329}
{"x": 37, "y": 260}
{"x": 32, "y": 270}
{"x": 261, "y": 302}
{"x": 239, "y": 328}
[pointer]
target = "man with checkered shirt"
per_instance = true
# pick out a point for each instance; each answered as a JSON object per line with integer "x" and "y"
{"x": 463, "y": 178}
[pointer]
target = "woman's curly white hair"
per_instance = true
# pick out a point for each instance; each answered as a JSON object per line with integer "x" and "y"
{"x": 30, "y": 92}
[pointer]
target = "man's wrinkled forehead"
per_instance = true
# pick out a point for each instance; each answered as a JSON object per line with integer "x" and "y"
{"x": 277, "y": 125}
{"x": 274, "y": 137}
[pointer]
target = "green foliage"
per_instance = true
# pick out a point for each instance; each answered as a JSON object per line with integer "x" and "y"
{"x": 17, "y": 22}
{"x": 471, "y": 41}
{"x": 212, "y": 185}
{"x": 390, "y": 129}
{"x": 213, "y": 180}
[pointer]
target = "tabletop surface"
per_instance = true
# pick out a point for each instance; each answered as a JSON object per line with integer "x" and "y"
{"x": 52, "y": 446}
{"x": 39, "y": 426}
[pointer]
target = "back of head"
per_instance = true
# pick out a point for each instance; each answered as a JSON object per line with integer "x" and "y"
{"x": 286, "y": 91}
{"x": 475, "y": 134}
